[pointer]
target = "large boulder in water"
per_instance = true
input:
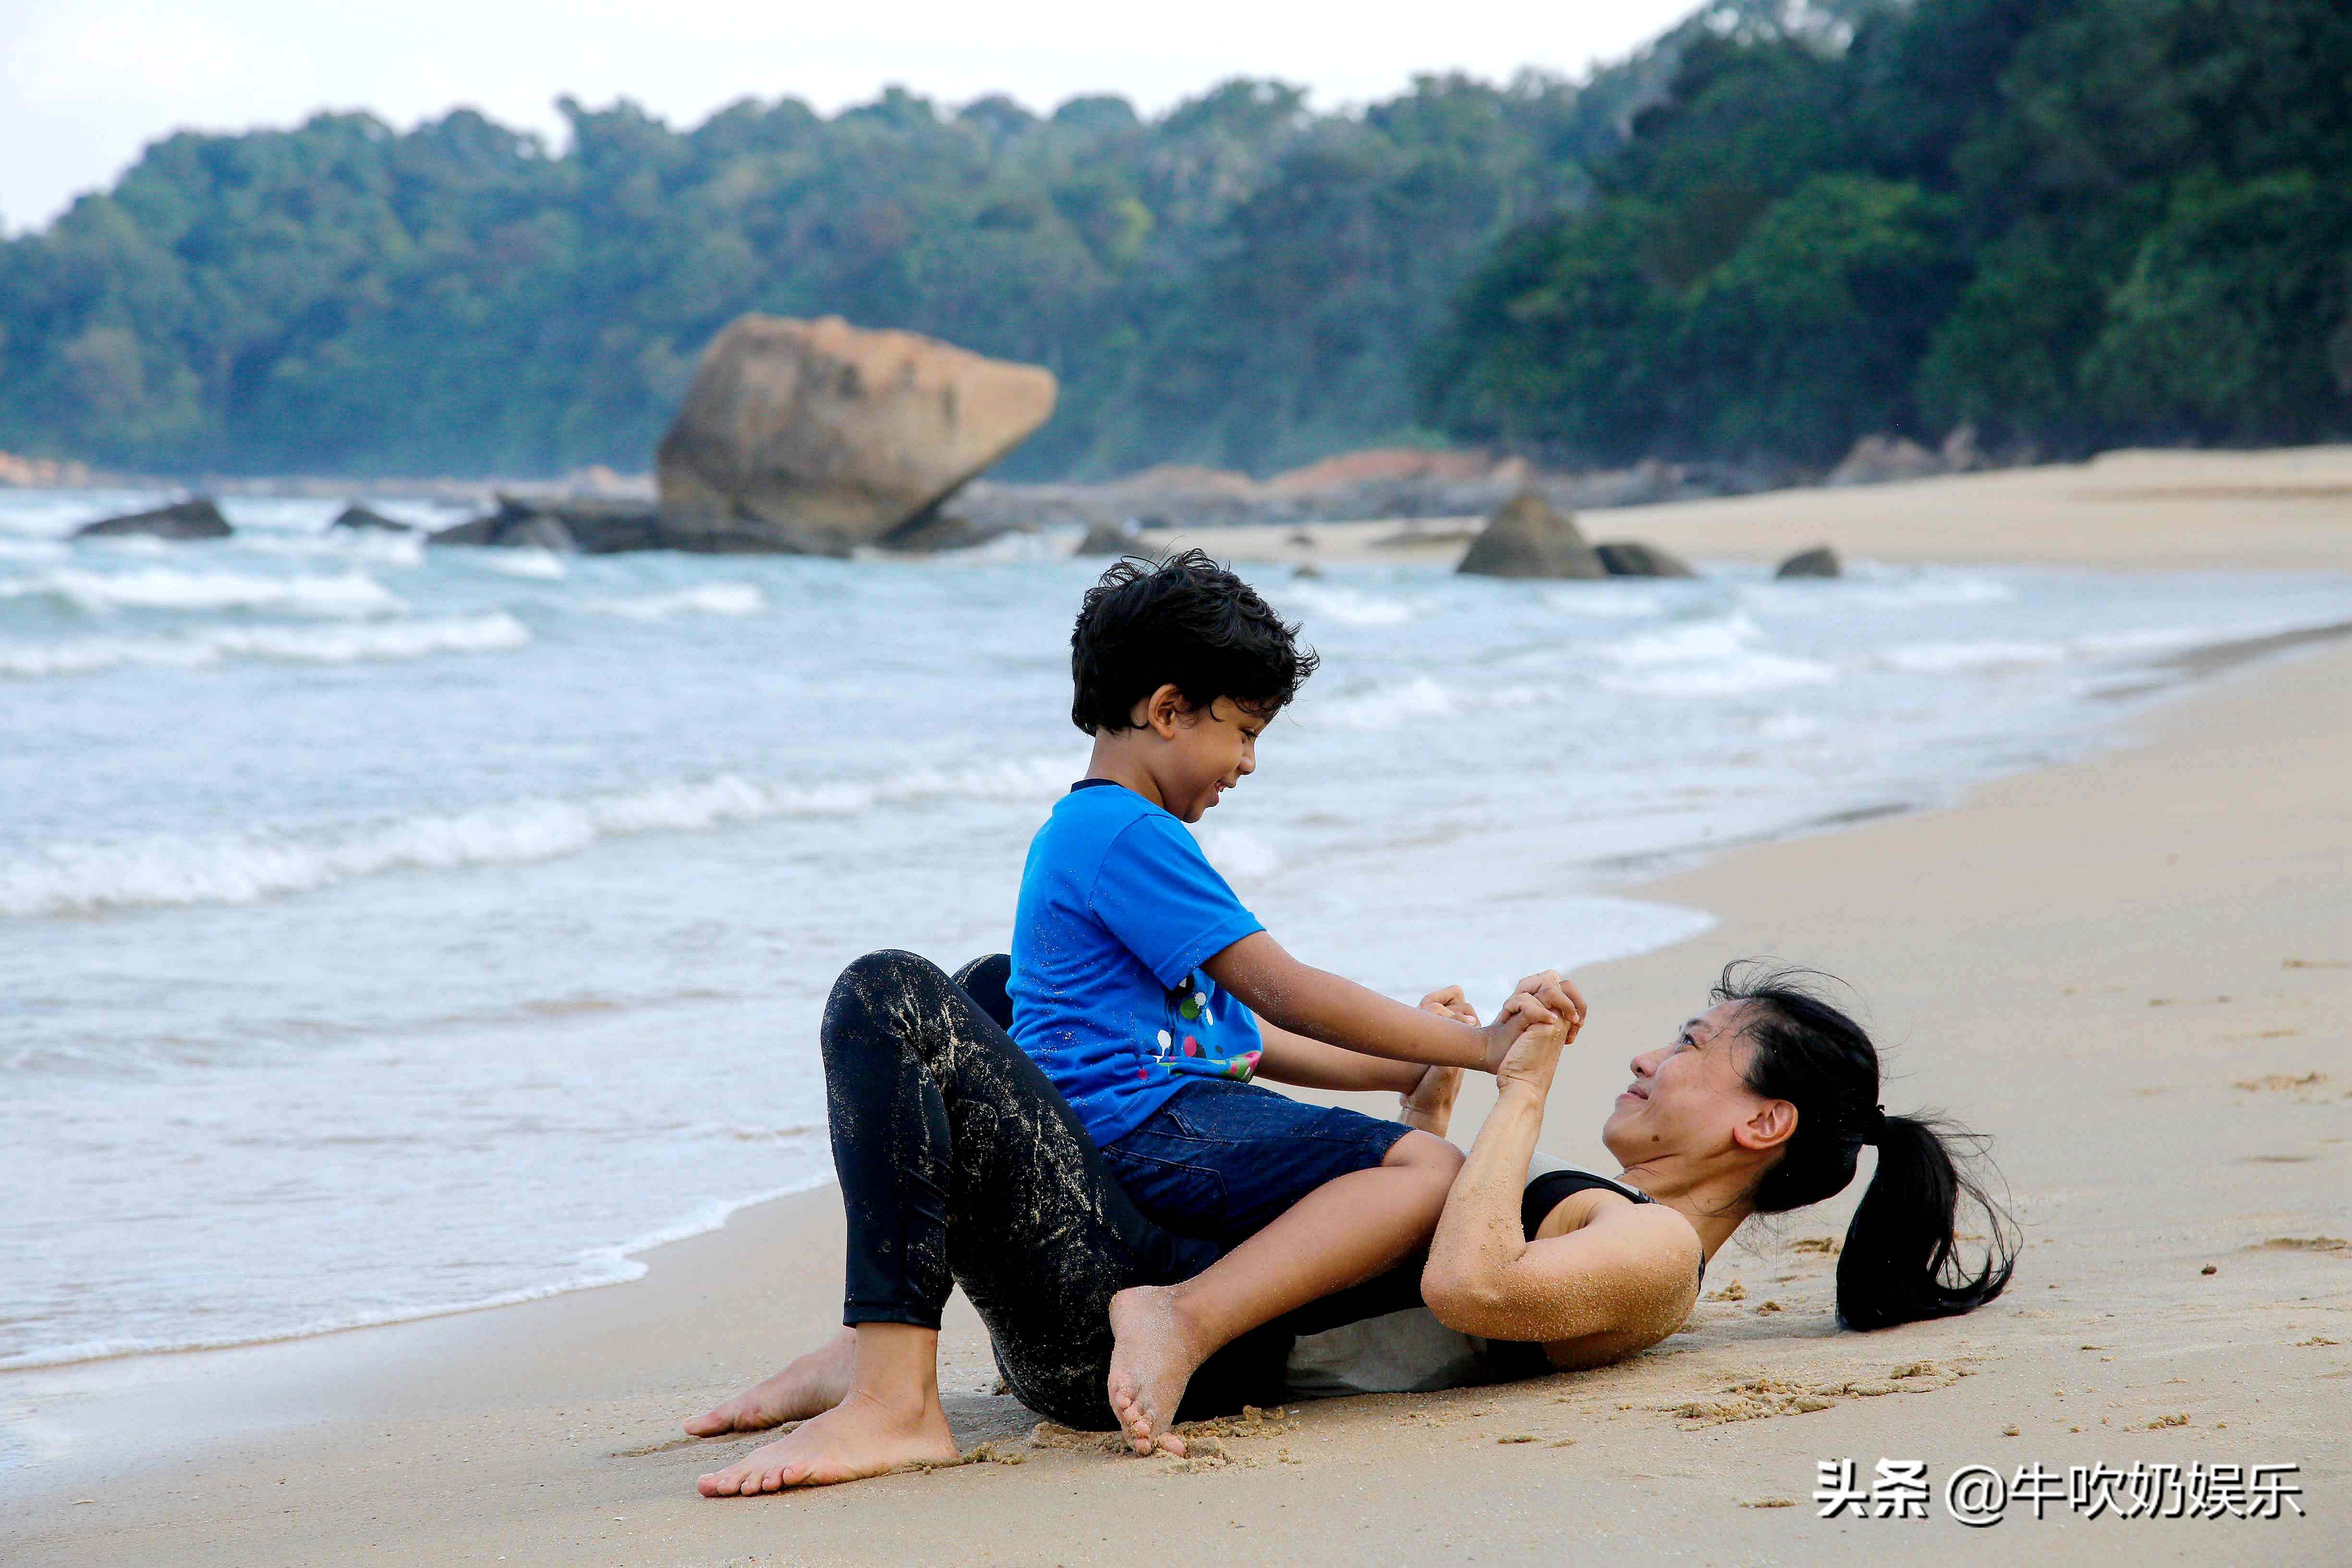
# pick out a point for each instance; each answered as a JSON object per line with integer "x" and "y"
{"x": 367, "y": 519}
{"x": 820, "y": 436}
{"x": 1632, "y": 558}
{"x": 1106, "y": 539}
{"x": 578, "y": 523}
{"x": 1528, "y": 538}
{"x": 1819, "y": 561}
{"x": 197, "y": 519}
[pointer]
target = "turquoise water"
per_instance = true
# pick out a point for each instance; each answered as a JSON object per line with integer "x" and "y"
{"x": 384, "y": 931}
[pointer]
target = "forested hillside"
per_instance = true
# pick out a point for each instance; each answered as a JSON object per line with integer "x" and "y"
{"x": 2070, "y": 222}
{"x": 1240, "y": 281}
{"x": 2067, "y": 221}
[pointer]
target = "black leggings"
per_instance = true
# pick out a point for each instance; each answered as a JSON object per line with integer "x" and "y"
{"x": 962, "y": 1164}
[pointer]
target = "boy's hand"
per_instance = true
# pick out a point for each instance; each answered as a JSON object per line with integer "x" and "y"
{"x": 1450, "y": 1003}
{"x": 1542, "y": 1000}
{"x": 1428, "y": 1104}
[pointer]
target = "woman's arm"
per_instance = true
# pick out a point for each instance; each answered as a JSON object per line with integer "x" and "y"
{"x": 1628, "y": 1275}
{"x": 1304, "y": 1000}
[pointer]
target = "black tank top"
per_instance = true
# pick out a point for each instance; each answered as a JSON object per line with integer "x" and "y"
{"x": 1551, "y": 1189}
{"x": 1394, "y": 1346}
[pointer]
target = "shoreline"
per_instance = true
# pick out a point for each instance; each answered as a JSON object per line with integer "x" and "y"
{"x": 627, "y": 1256}
{"x": 2175, "y": 677}
{"x": 407, "y": 1411}
{"x": 2103, "y": 962}
{"x": 2124, "y": 511}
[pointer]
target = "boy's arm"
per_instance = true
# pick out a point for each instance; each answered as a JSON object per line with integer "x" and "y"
{"x": 1427, "y": 1092}
{"x": 1310, "y": 1064}
{"x": 1304, "y": 1000}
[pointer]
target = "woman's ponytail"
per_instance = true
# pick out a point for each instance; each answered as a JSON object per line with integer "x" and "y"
{"x": 1901, "y": 1261}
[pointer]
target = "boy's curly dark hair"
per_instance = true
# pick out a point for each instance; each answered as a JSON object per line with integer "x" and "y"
{"x": 1185, "y": 621}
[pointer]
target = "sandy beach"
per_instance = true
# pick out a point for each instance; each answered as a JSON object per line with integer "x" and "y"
{"x": 2134, "y": 971}
{"x": 2161, "y": 510}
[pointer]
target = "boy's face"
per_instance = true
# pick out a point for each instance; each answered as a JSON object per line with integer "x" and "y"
{"x": 1207, "y": 752}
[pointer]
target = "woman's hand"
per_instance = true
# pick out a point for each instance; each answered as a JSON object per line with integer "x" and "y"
{"x": 1542, "y": 1000}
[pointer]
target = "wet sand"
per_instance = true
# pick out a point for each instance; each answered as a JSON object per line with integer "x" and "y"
{"x": 2134, "y": 971}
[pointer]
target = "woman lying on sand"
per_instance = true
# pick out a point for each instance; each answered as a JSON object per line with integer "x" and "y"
{"x": 960, "y": 1165}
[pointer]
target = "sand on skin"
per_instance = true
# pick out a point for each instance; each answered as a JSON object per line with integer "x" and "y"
{"x": 2129, "y": 969}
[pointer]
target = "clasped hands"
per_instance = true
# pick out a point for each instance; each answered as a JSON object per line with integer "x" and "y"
{"x": 1544, "y": 1013}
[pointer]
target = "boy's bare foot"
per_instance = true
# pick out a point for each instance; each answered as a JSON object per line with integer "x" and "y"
{"x": 860, "y": 1436}
{"x": 1154, "y": 1353}
{"x": 811, "y": 1386}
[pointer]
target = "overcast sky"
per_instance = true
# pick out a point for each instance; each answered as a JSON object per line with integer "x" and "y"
{"x": 84, "y": 84}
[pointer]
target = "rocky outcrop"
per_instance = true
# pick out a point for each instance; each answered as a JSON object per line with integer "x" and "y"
{"x": 1632, "y": 558}
{"x": 1886, "y": 459}
{"x": 584, "y": 526}
{"x": 936, "y": 531}
{"x": 197, "y": 519}
{"x": 820, "y": 436}
{"x": 359, "y": 517}
{"x": 1960, "y": 452}
{"x": 1528, "y": 538}
{"x": 1358, "y": 487}
{"x": 1103, "y": 539}
{"x": 1819, "y": 561}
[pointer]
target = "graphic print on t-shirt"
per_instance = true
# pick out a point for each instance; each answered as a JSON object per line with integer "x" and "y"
{"x": 1191, "y": 1013}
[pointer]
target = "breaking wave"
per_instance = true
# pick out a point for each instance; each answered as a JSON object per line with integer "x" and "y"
{"x": 711, "y": 599}
{"x": 353, "y": 595}
{"x": 1344, "y": 606}
{"x": 294, "y": 645}
{"x": 1950, "y": 657}
{"x": 1707, "y": 659}
{"x": 169, "y": 870}
{"x": 1386, "y": 706}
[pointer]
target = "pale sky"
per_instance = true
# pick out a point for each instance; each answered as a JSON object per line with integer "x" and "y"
{"x": 84, "y": 84}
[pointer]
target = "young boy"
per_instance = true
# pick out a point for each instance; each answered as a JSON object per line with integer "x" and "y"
{"x": 1152, "y": 997}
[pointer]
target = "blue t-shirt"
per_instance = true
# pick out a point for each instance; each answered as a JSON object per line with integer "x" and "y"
{"x": 1118, "y": 910}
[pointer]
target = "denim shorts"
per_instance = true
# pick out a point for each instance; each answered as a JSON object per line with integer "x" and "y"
{"x": 1219, "y": 1160}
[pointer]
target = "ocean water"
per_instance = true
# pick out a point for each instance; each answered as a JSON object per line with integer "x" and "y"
{"x": 386, "y": 932}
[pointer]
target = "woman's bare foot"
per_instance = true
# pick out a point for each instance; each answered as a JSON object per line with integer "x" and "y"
{"x": 860, "y": 1436}
{"x": 811, "y": 1386}
{"x": 1154, "y": 1353}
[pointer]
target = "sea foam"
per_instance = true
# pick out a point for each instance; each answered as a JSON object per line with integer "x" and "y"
{"x": 353, "y": 595}
{"x": 711, "y": 599}
{"x": 374, "y": 545}
{"x": 172, "y": 870}
{"x": 1387, "y": 707}
{"x": 1942, "y": 657}
{"x": 293, "y": 645}
{"x": 1343, "y": 606}
{"x": 1706, "y": 659}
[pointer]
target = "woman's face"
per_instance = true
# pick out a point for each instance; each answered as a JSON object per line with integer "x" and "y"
{"x": 1690, "y": 1097}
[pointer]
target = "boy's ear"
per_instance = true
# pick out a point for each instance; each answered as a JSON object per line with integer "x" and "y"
{"x": 1162, "y": 709}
